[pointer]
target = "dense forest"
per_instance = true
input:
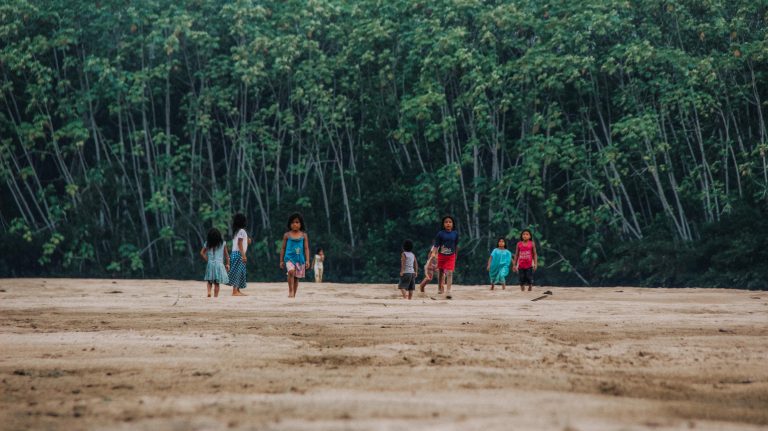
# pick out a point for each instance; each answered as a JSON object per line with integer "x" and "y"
{"x": 629, "y": 135}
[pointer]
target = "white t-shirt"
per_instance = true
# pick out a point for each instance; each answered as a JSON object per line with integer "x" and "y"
{"x": 240, "y": 234}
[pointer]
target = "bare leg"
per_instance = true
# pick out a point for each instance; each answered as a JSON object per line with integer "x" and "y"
{"x": 491, "y": 286}
{"x": 448, "y": 283}
{"x": 504, "y": 286}
{"x": 216, "y": 290}
{"x": 295, "y": 285}
{"x": 209, "y": 289}
{"x": 423, "y": 284}
{"x": 440, "y": 275}
{"x": 530, "y": 286}
{"x": 410, "y": 294}
{"x": 290, "y": 283}
{"x": 402, "y": 292}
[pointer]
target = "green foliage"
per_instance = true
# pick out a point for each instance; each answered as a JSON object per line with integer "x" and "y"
{"x": 625, "y": 133}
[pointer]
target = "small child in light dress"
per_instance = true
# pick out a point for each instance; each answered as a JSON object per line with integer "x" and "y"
{"x": 429, "y": 268}
{"x": 409, "y": 269}
{"x": 215, "y": 253}
{"x": 318, "y": 265}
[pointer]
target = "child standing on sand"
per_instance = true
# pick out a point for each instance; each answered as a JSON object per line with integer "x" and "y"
{"x": 215, "y": 253}
{"x": 498, "y": 263}
{"x": 237, "y": 275}
{"x": 409, "y": 269}
{"x": 294, "y": 253}
{"x": 525, "y": 260}
{"x": 429, "y": 268}
{"x": 447, "y": 245}
{"x": 317, "y": 264}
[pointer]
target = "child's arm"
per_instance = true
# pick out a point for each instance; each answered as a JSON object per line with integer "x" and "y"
{"x": 488, "y": 267}
{"x": 535, "y": 257}
{"x": 415, "y": 265}
{"x": 437, "y": 242}
{"x": 281, "y": 258}
{"x": 402, "y": 263}
{"x": 226, "y": 257}
{"x": 514, "y": 261}
{"x": 240, "y": 247}
{"x": 306, "y": 249}
{"x": 203, "y": 254}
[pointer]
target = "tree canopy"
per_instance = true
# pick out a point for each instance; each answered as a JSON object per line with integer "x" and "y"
{"x": 629, "y": 135}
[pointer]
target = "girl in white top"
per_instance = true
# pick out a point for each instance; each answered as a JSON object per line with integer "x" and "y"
{"x": 317, "y": 264}
{"x": 238, "y": 258}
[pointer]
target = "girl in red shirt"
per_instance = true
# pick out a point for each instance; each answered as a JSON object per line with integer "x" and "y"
{"x": 525, "y": 260}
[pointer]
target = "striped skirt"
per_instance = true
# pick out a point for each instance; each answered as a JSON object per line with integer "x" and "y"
{"x": 236, "y": 271}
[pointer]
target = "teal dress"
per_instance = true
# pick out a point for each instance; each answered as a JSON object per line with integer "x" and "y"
{"x": 215, "y": 272}
{"x": 294, "y": 251}
{"x": 500, "y": 260}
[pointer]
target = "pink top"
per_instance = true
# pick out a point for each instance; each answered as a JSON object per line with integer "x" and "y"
{"x": 524, "y": 255}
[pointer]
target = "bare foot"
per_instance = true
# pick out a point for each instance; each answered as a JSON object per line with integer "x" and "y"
{"x": 529, "y": 288}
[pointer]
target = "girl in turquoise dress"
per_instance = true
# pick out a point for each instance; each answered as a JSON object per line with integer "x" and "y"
{"x": 293, "y": 256}
{"x": 215, "y": 253}
{"x": 498, "y": 264}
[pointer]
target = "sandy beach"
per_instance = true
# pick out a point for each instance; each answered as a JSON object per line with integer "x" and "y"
{"x": 158, "y": 354}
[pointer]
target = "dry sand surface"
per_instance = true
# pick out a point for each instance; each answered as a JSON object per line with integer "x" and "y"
{"x": 156, "y": 354}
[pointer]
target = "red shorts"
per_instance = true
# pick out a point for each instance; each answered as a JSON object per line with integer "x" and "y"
{"x": 446, "y": 262}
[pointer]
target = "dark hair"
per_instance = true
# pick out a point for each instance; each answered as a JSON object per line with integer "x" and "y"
{"x": 501, "y": 238}
{"x": 442, "y": 222}
{"x": 238, "y": 222}
{"x": 214, "y": 239}
{"x": 524, "y": 231}
{"x": 319, "y": 249}
{"x": 407, "y": 245}
{"x": 293, "y": 217}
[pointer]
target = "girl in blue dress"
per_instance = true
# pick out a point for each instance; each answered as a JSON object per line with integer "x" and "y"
{"x": 293, "y": 256}
{"x": 498, "y": 264}
{"x": 215, "y": 253}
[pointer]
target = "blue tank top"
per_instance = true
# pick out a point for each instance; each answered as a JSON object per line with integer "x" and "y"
{"x": 294, "y": 250}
